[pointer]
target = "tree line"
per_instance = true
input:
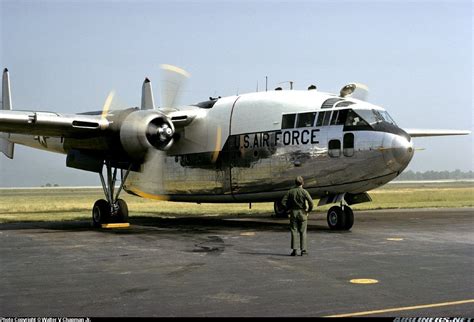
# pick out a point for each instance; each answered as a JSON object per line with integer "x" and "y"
{"x": 436, "y": 175}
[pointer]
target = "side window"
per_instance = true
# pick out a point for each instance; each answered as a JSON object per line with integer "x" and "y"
{"x": 319, "y": 122}
{"x": 334, "y": 117}
{"x": 334, "y": 148}
{"x": 348, "y": 147}
{"x": 341, "y": 118}
{"x": 327, "y": 117}
{"x": 288, "y": 121}
{"x": 306, "y": 119}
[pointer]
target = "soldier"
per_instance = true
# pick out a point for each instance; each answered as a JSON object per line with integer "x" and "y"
{"x": 295, "y": 201}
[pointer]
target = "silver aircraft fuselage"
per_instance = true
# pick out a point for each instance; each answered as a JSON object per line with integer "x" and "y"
{"x": 238, "y": 149}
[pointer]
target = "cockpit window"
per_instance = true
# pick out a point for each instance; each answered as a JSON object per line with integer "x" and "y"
{"x": 342, "y": 117}
{"x": 353, "y": 119}
{"x": 375, "y": 116}
{"x": 345, "y": 117}
{"x": 387, "y": 117}
{"x": 344, "y": 104}
{"x": 339, "y": 117}
{"x": 369, "y": 116}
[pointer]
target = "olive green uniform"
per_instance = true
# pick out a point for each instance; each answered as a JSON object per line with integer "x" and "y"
{"x": 295, "y": 201}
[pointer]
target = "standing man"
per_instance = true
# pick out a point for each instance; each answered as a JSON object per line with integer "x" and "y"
{"x": 295, "y": 201}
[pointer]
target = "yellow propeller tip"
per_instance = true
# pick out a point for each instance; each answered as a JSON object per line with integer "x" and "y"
{"x": 175, "y": 69}
{"x": 108, "y": 102}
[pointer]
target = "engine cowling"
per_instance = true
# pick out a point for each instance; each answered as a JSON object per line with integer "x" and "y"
{"x": 145, "y": 130}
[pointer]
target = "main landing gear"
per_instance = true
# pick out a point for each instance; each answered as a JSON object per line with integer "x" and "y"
{"x": 280, "y": 210}
{"x": 113, "y": 209}
{"x": 340, "y": 218}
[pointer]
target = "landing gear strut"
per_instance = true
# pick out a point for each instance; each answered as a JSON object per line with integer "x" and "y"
{"x": 113, "y": 209}
{"x": 340, "y": 218}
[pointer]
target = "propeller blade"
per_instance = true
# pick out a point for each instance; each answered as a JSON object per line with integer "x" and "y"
{"x": 217, "y": 148}
{"x": 149, "y": 183}
{"x": 106, "y": 108}
{"x": 172, "y": 82}
{"x": 107, "y": 103}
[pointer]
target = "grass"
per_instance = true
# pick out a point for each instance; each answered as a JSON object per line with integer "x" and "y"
{"x": 75, "y": 204}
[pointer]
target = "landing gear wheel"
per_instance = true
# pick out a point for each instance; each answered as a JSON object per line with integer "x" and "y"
{"x": 349, "y": 220}
{"x": 100, "y": 213}
{"x": 336, "y": 218}
{"x": 280, "y": 210}
{"x": 122, "y": 212}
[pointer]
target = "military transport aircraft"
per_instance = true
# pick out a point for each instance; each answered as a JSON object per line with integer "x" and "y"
{"x": 236, "y": 149}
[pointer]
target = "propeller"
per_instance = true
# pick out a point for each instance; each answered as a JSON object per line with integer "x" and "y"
{"x": 173, "y": 79}
{"x": 159, "y": 132}
{"x": 144, "y": 131}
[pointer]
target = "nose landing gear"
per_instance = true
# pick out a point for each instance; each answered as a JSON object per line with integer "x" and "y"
{"x": 112, "y": 210}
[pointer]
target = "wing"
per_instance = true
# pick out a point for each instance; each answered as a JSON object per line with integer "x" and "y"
{"x": 42, "y": 123}
{"x": 51, "y": 124}
{"x": 414, "y": 133}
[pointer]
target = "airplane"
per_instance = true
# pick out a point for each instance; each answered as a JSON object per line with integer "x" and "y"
{"x": 237, "y": 149}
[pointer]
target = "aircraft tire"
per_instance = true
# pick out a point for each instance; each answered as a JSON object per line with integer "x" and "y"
{"x": 100, "y": 213}
{"x": 349, "y": 220}
{"x": 280, "y": 211}
{"x": 336, "y": 218}
{"x": 122, "y": 214}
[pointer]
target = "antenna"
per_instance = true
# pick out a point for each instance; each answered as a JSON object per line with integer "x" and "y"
{"x": 291, "y": 84}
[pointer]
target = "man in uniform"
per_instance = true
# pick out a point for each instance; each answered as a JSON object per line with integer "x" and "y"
{"x": 295, "y": 201}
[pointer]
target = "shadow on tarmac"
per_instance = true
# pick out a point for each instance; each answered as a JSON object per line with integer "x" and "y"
{"x": 180, "y": 225}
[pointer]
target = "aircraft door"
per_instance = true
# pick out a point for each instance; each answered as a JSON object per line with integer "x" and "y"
{"x": 254, "y": 137}
{"x": 348, "y": 145}
{"x": 334, "y": 138}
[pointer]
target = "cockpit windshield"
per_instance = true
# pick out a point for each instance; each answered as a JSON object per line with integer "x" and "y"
{"x": 353, "y": 119}
{"x": 387, "y": 117}
{"x": 375, "y": 116}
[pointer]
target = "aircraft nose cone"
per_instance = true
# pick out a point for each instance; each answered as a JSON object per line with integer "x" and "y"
{"x": 398, "y": 152}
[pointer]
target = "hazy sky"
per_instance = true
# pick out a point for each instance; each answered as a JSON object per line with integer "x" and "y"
{"x": 65, "y": 56}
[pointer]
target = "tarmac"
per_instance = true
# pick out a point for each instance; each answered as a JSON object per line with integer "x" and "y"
{"x": 420, "y": 263}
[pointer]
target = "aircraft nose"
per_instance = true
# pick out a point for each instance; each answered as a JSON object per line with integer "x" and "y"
{"x": 397, "y": 151}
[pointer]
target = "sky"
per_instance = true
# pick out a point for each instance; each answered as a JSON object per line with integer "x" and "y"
{"x": 66, "y": 56}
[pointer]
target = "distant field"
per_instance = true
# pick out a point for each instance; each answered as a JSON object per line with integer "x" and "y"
{"x": 49, "y": 204}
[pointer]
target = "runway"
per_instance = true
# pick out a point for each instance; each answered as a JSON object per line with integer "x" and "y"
{"x": 420, "y": 262}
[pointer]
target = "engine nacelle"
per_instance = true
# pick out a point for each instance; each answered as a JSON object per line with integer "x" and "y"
{"x": 144, "y": 130}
